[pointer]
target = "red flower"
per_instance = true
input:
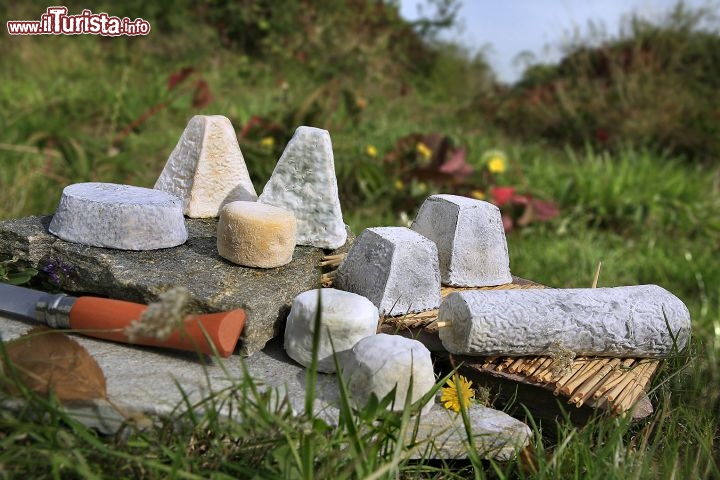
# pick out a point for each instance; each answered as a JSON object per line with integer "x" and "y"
{"x": 502, "y": 195}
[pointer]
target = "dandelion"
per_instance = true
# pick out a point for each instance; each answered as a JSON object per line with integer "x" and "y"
{"x": 496, "y": 161}
{"x": 449, "y": 393}
{"x": 399, "y": 185}
{"x": 267, "y": 142}
{"x": 478, "y": 195}
{"x": 371, "y": 151}
{"x": 423, "y": 150}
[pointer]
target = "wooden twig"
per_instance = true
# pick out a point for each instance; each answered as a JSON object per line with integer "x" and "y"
{"x": 597, "y": 275}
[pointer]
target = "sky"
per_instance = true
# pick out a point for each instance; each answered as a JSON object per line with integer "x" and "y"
{"x": 505, "y": 28}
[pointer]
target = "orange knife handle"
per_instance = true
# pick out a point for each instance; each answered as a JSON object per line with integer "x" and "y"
{"x": 107, "y": 319}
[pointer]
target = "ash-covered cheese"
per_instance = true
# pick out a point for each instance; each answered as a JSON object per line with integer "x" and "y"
{"x": 345, "y": 318}
{"x": 394, "y": 267}
{"x": 470, "y": 238}
{"x": 304, "y": 181}
{"x": 253, "y": 234}
{"x": 379, "y": 363}
{"x": 119, "y": 216}
{"x": 634, "y": 321}
{"x": 207, "y": 169}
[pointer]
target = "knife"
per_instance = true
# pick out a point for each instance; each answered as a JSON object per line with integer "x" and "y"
{"x": 107, "y": 319}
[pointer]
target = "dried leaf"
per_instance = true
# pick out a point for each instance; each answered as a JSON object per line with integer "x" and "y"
{"x": 202, "y": 96}
{"x": 46, "y": 360}
{"x": 456, "y": 165}
{"x": 178, "y": 77}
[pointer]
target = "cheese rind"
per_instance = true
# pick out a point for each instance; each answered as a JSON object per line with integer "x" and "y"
{"x": 253, "y": 234}
{"x": 304, "y": 181}
{"x": 470, "y": 238}
{"x": 207, "y": 169}
{"x": 345, "y": 319}
{"x": 395, "y": 268}
{"x": 634, "y": 321}
{"x": 119, "y": 216}
{"x": 379, "y": 363}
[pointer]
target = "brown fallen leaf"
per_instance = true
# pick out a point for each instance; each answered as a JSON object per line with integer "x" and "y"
{"x": 46, "y": 360}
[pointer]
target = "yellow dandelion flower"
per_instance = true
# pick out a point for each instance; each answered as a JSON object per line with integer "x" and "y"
{"x": 267, "y": 142}
{"x": 399, "y": 185}
{"x": 478, "y": 194}
{"x": 496, "y": 164}
{"x": 423, "y": 150}
{"x": 449, "y": 393}
{"x": 371, "y": 151}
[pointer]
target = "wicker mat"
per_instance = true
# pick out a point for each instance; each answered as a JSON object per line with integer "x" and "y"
{"x": 613, "y": 384}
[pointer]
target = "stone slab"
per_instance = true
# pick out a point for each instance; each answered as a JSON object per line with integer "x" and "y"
{"x": 154, "y": 382}
{"x": 214, "y": 283}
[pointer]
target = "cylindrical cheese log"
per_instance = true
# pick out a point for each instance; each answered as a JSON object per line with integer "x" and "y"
{"x": 119, "y": 216}
{"x": 254, "y": 234}
{"x": 379, "y": 363}
{"x": 345, "y": 318}
{"x": 634, "y": 321}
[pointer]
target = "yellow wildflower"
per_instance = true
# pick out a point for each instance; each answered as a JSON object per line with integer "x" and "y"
{"x": 399, "y": 185}
{"x": 496, "y": 164}
{"x": 371, "y": 151}
{"x": 423, "y": 150}
{"x": 267, "y": 142}
{"x": 449, "y": 396}
{"x": 478, "y": 194}
{"x": 360, "y": 103}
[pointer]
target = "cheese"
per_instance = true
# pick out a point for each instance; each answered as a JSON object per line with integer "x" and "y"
{"x": 345, "y": 318}
{"x": 395, "y": 268}
{"x": 634, "y": 321}
{"x": 256, "y": 235}
{"x": 470, "y": 238}
{"x": 119, "y": 216}
{"x": 207, "y": 169}
{"x": 379, "y": 363}
{"x": 304, "y": 181}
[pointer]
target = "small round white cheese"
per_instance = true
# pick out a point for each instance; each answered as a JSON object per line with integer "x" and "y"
{"x": 119, "y": 216}
{"x": 379, "y": 363}
{"x": 345, "y": 318}
{"x": 253, "y": 234}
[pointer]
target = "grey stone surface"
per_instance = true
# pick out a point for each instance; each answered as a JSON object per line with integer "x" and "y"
{"x": 377, "y": 364}
{"x": 395, "y": 268}
{"x": 206, "y": 169}
{"x": 214, "y": 283}
{"x": 345, "y": 318}
{"x": 634, "y": 321}
{"x": 119, "y": 216}
{"x": 470, "y": 238}
{"x": 304, "y": 181}
{"x": 155, "y": 382}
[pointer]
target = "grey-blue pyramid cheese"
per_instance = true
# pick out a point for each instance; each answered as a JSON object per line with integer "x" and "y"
{"x": 206, "y": 170}
{"x": 633, "y": 321}
{"x": 395, "y": 268}
{"x": 380, "y": 363}
{"x": 119, "y": 216}
{"x": 345, "y": 318}
{"x": 304, "y": 181}
{"x": 470, "y": 238}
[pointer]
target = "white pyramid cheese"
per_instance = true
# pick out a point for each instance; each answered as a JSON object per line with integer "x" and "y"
{"x": 304, "y": 181}
{"x": 119, "y": 216}
{"x": 206, "y": 170}
{"x": 253, "y": 234}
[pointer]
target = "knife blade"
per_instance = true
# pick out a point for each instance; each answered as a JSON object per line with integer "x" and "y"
{"x": 107, "y": 319}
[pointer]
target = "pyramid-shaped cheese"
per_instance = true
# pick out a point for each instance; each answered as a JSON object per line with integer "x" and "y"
{"x": 206, "y": 169}
{"x": 304, "y": 182}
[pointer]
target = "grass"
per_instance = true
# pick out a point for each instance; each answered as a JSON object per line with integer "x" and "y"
{"x": 650, "y": 218}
